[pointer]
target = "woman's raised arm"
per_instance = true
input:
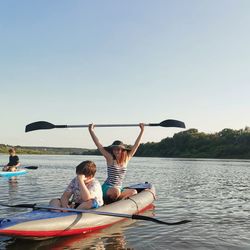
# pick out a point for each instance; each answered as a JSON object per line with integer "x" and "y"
{"x": 103, "y": 151}
{"x": 137, "y": 141}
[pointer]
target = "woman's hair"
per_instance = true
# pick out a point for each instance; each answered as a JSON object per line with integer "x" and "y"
{"x": 12, "y": 150}
{"x": 123, "y": 158}
{"x": 88, "y": 168}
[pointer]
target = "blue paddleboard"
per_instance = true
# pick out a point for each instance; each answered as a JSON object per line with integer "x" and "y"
{"x": 10, "y": 174}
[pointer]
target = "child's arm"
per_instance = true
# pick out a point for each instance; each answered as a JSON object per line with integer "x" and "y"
{"x": 65, "y": 199}
{"x": 67, "y": 194}
{"x": 18, "y": 164}
{"x": 85, "y": 194}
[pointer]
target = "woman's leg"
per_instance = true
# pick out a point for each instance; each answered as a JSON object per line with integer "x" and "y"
{"x": 113, "y": 193}
{"x": 127, "y": 193}
{"x": 110, "y": 194}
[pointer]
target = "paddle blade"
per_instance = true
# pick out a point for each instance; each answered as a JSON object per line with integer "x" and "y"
{"x": 172, "y": 123}
{"x": 142, "y": 217}
{"x": 39, "y": 125}
{"x": 169, "y": 123}
{"x": 31, "y": 167}
{"x": 19, "y": 205}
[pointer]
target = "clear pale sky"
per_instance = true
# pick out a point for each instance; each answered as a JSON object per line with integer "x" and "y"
{"x": 77, "y": 62}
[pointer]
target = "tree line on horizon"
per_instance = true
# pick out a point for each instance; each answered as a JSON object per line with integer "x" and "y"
{"x": 228, "y": 144}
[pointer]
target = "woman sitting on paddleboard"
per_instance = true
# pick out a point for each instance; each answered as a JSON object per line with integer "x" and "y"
{"x": 13, "y": 161}
{"x": 117, "y": 156}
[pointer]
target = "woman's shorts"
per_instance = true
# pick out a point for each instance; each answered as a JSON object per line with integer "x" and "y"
{"x": 106, "y": 187}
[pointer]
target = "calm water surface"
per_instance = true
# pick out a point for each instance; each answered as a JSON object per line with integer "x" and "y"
{"x": 214, "y": 194}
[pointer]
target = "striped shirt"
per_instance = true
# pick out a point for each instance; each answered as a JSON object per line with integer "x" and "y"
{"x": 116, "y": 175}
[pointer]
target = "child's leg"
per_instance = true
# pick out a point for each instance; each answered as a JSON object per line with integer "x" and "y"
{"x": 88, "y": 204}
{"x": 12, "y": 169}
{"x": 6, "y": 168}
{"x": 85, "y": 205}
{"x": 55, "y": 203}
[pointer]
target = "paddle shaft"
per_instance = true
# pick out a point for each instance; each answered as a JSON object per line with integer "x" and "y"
{"x": 104, "y": 125}
{"x": 97, "y": 212}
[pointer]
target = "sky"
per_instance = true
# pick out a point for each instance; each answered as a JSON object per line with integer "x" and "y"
{"x": 77, "y": 62}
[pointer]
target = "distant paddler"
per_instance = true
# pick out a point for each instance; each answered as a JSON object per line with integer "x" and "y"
{"x": 13, "y": 161}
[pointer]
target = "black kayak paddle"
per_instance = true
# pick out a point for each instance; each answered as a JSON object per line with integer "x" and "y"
{"x": 47, "y": 125}
{"x": 129, "y": 216}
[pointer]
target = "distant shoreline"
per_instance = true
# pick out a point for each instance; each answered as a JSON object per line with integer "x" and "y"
{"x": 226, "y": 144}
{"x": 47, "y": 150}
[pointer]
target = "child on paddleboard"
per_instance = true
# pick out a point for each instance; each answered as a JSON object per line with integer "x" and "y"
{"x": 85, "y": 189}
{"x": 117, "y": 157}
{"x": 13, "y": 161}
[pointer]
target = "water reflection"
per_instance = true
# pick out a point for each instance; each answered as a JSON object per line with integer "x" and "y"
{"x": 9, "y": 188}
{"x": 13, "y": 185}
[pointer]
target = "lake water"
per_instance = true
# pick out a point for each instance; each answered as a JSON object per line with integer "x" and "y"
{"x": 214, "y": 194}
